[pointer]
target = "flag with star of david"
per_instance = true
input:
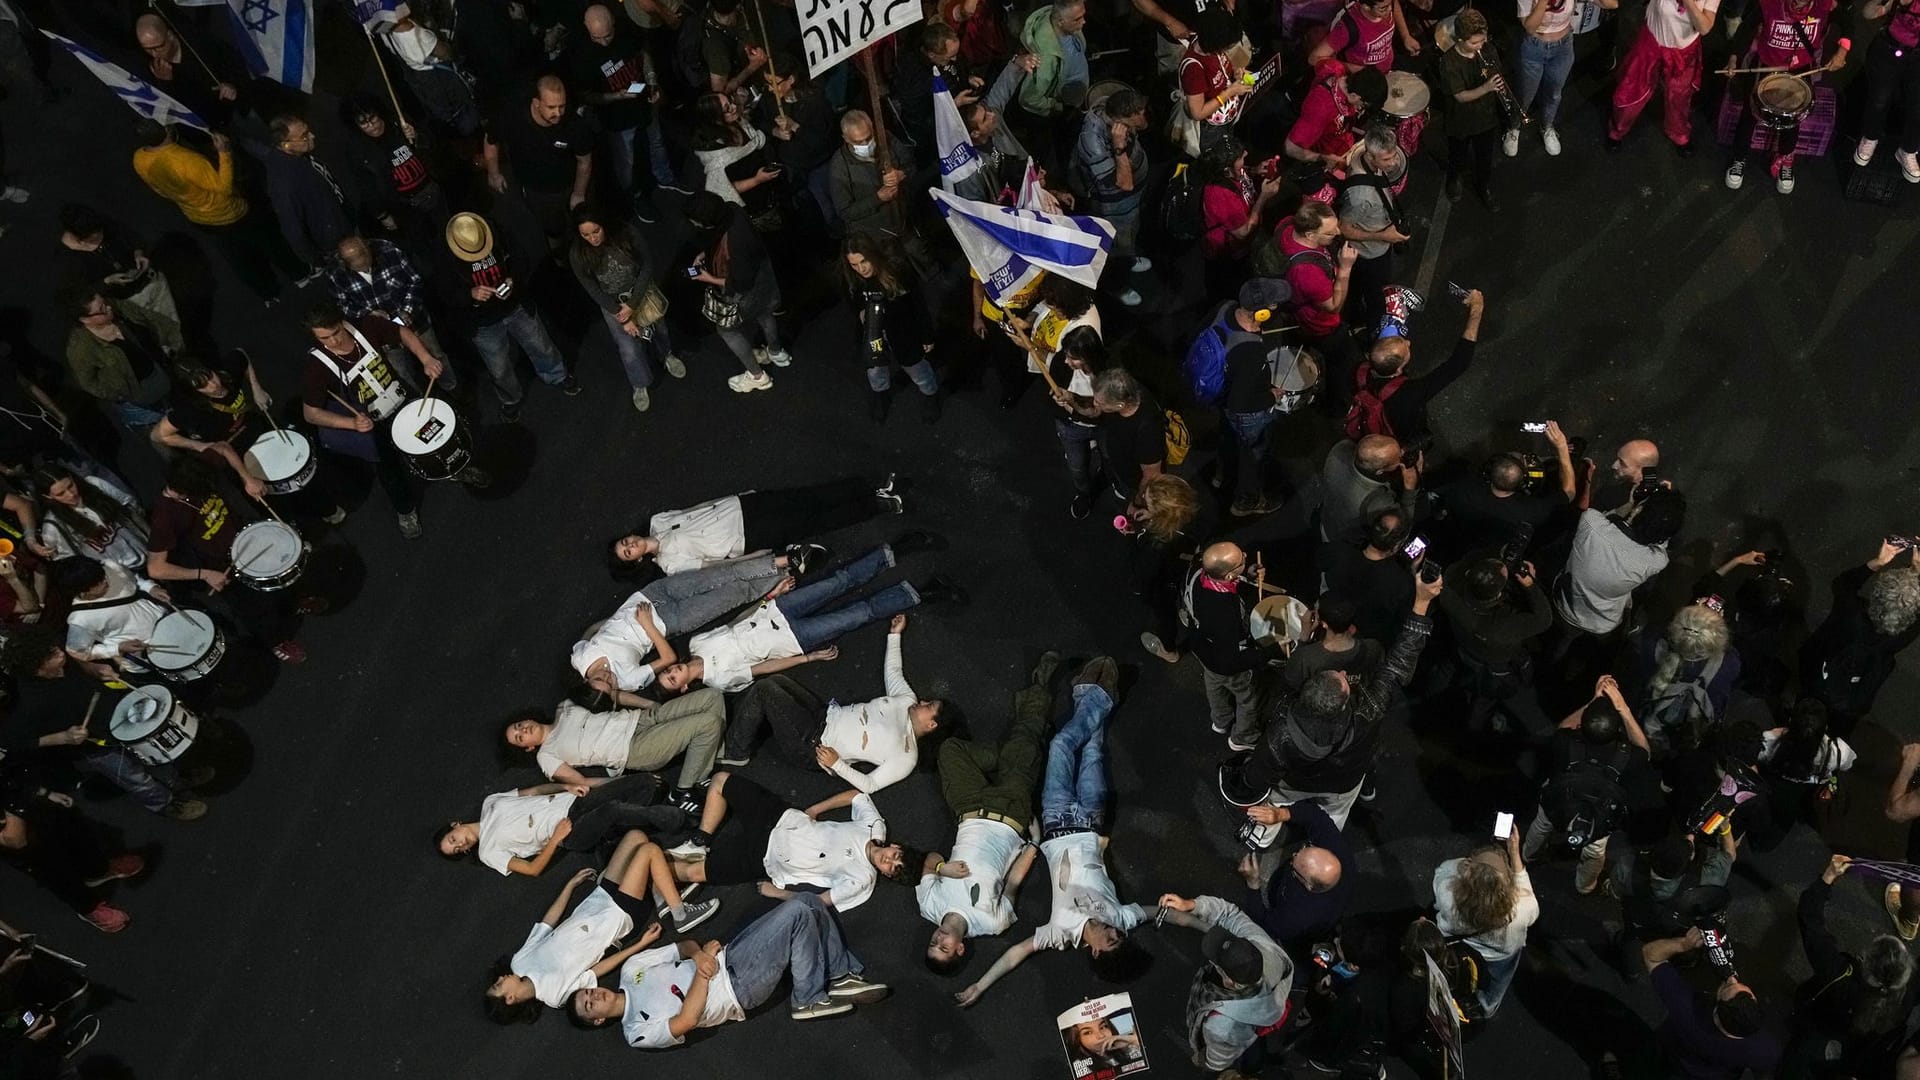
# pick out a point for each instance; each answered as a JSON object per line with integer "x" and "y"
{"x": 274, "y": 36}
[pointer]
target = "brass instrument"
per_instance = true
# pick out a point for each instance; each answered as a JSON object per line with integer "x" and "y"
{"x": 1509, "y": 104}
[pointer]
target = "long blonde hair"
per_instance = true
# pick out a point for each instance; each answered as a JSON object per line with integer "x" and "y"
{"x": 1483, "y": 893}
{"x": 1697, "y": 633}
{"x": 1169, "y": 505}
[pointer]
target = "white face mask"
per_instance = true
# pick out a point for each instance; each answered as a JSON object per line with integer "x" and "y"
{"x": 863, "y": 151}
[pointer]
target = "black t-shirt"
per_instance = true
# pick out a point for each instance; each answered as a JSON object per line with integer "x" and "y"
{"x": 1407, "y": 409}
{"x": 197, "y": 536}
{"x": 1477, "y": 518}
{"x": 1381, "y": 590}
{"x": 114, "y": 256}
{"x": 609, "y": 69}
{"x": 396, "y": 169}
{"x": 541, "y": 158}
{"x": 1129, "y": 442}
{"x": 230, "y": 417}
{"x": 1249, "y": 379}
{"x": 46, "y": 706}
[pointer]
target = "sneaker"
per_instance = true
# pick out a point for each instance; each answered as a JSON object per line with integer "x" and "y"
{"x": 111, "y": 920}
{"x": 820, "y": 1009}
{"x": 410, "y": 525}
{"x": 15, "y": 194}
{"x": 852, "y": 988}
{"x": 890, "y": 487}
{"x": 779, "y": 358}
{"x": 914, "y": 541}
{"x": 676, "y": 367}
{"x": 644, "y": 211}
{"x": 1550, "y": 139}
{"x": 1240, "y": 747}
{"x": 733, "y": 761}
{"x": 1151, "y": 642}
{"x": 80, "y": 1033}
{"x": 1863, "y": 153}
{"x": 1783, "y": 180}
{"x": 1220, "y": 726}
{"x": 642, "y": 401}
{"x": 674, "y": 186}
{"x": 1907, "y": 930}
{"x": 1081, "y": 506}
{"x": 338, "y": 515}
{"x": 1140, "y": 265}
{"x": 510, "y": 411}
{"x": 685, "y": 800}
{"x": 804, "y": 557}
{"x": 1248, "y": 506}
{"x": 688, "y": 851}
{"x": 1736, "y": 175}
{"x": 744, "y": 383}
{"x": 894, "y": 504}
{"x": 941, "y": 590}
{"x": 474, "y": 476}
{"x": 1909, "y": 166}
{"x": 696, "y": 914}
{"x": 760, "y": 355}
{"x": 1102, "y": 672}
{"x": 313, "y": 275}
{"x": 1510, "y": 142}
{"x": 570, "y": 386}
{"x": 1367, "y": 791}
{"x": 290, "y": 652}
{"x": 1128, "y": 297}
{"x": 120, "y": 868}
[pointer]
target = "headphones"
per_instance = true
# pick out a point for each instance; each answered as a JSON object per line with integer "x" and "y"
{"x": 1261, "y": 315}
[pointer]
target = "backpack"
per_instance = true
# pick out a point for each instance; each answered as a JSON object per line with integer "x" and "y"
{"x": 1587, "y": 801}
{"x": 1179, "y": 438}
{"x": 1676, "y": 720}
{"x": 1180, "y": 210}
{"x": 1368, "y": 413}
{"x": 1206, "y": 362}
{"x": 1463, "y": 980}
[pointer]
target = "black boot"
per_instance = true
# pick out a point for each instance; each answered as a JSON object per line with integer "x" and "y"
{"x": 877, "y": 406}
{"x": 941, "y": 590}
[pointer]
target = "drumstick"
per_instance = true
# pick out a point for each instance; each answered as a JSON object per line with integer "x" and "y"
{"x": 151, "y": 647}
{"x": 91, "y": 702}
{"x": 1754, "y": 71}
{"x": 354, "y": 409}
{"x": 429, "y": 391}
{"x": 262, "y": 500}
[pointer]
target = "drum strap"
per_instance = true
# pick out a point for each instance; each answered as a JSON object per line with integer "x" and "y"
{"x": 103, "y": 605}
{"x": 1806, "y": 43}
{"x": 386, "y": 397}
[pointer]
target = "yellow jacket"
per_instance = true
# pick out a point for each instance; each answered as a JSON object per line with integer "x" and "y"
{"x": 203, "y": 193}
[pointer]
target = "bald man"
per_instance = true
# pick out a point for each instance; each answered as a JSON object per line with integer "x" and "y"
{"x": 544, "y": 150}
{"x": 1357, "y": 483}
{"x": 184, "y": 76}
{"x": 1297, "y": 891}
{"x": 1388, "y": 399}
{"x": 610, "y": 71}
{"x": 1217, "y": 601}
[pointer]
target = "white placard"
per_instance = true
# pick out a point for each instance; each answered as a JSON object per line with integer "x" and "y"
{"x": 834, "y": 30}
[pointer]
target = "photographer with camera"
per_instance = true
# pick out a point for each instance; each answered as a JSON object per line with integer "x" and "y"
{"x": 1612, "y": 555}
{"x": 1707, "y": 1041}
{"x": 1374, "y": 577}
{"x": 1763, "y": 609}
{"x": 1634, "y": 465}
{"x": 1501, "y": 505}
{"x": 1875, "y": 614}
{"x": 1849, "y": 1017}
{"x": 1388, "y": 400}
{"x": 1494, "y": 611}
{"x": 1585, "y": 799}
{"x": 1356, "y": 482}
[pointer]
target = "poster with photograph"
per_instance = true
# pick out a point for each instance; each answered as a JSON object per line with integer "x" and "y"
{"x": 1102, "y": 1039}
{"x": 1444, "y": 1019}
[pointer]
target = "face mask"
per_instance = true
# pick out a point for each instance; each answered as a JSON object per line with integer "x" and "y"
{"x": 863, "y": 151}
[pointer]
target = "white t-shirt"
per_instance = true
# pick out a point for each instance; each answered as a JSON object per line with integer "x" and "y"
{"x": 414, "y": 47}
{"x": 988, "y": 848}
{"x": 830, "y": 854}
{"x": 656, "y": 984}
{"x": 1667, "y": 20}
{"x": 513, "y": 825}
{"x": 625, "y": 645}
{"x": 877, "y": 732}
{"x": 1081, "y": 891}
{"x": 559, "y": 959}
{"x": 699, "y": 535}
{"x": 96, "y": 630}
{"x": 729, "y": 652}
{"x": 1558, "y": 18}
{"x": 1049, "y": 329}
{"x": 581, "y": 739}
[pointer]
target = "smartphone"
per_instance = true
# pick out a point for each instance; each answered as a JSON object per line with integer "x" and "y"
{"x": 1430, "y": 571}
{"x": 693, "y": 271}
{"x": 1458, "y": 292}
{"x": 29, "y": 1018}
{"x": 1904, "y": 543}
{"x": 1502, "y": 825}
{"x": 636, "y": 88}
{"x": 1415, "y": 548}
{"x": 1534, "y": 427}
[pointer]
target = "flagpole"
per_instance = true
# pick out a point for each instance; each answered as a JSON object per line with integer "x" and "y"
{"x": 186, "y": 44}
{"x": 398, "y": 113}
{"x": 880, "y": 130}
{"x": 766, "y": 43}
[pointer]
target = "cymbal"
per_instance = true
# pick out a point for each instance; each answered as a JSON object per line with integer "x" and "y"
{"x": 1407, "y": 95}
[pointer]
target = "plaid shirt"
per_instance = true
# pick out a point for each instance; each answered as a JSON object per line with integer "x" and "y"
{"x": 395, "y": 288}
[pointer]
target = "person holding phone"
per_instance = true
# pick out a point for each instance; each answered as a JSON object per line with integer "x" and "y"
{"x": 1487, "y": 899}
{"x": 614, "y": 78}
{"x": 1875, "y": 616}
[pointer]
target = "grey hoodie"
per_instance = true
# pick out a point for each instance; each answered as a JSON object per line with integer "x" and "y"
{"x": 1221, "y": 1029}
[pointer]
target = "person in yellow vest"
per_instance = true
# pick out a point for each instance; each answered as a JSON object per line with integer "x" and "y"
{"x": 206, "y": 193}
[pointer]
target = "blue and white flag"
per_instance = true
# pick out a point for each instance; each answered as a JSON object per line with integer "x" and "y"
{"x": 377, "y": 15}
{"x": 1010, "y": 247}
{"x": 958, "y": 158}
{"x": 135, "y": 91}
{"x": 275, "y": 37}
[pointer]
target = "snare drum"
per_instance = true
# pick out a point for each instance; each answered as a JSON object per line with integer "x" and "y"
{"x": 269, "y": 555}
{"x": 185, "y": 645}
{"x": 284, "y": 459}
{"x": 1781, "y": 100}
{"x": 429, "y": 433}
{"x": 1406, "y": 109}
{"x": 1279, "y": 618}
{"x": 153, "y": 726}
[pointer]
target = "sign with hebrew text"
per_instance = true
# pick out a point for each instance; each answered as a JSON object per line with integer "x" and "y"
{"x": 836, "y": 29}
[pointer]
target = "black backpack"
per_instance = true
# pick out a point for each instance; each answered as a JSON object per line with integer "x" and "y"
{"x": 1181, "y": 213}
{"x": 1587, "y": 800}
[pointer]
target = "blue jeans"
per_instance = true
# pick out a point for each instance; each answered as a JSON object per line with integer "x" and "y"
{"x": 494, "y": 341}
{"x": 150, "y": 785}
{"x": 798, "y": 936}
{"x": 880, "y": 376}
{"x": 813, "y": 630}
{"x": 621, "y": 146}
{"x": 1543, "y": 67}
{"x": 1074, "y": 793}
{"x": 633, "y": 350}
{"x": 1496, "y": 976}
{"x": 1250, "y": 431}
{"x": 1078, "y": 443}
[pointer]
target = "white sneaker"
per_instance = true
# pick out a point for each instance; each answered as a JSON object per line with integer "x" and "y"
{"x": 744, "y": 383}
{"x": 1863, "y": 153}
{"x": 1128, "y": 297}
{"x": 676, "y": 367}
{"x": 1551, "y": 140}
{"x": 642, "y": 400}
{"x": 1140, "y": 265}
{"x": 688, "y": 851}
{"x": 1783, "y": 180}
{"x": 1909, "y": 166}
{"x": 1510, "y": 143}
{"x": 15, "y": 194}
{"x": 778, "y": 359}
{"x": 1736, "y": 175}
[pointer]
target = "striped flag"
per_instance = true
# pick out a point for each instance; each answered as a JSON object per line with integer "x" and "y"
{"x": 378, "y": 15}
{"x": 1010, "y": 247}
{"x": 139, "y": 94}
{"x": 958, "y": 158}
{"x": 275, "y": 36}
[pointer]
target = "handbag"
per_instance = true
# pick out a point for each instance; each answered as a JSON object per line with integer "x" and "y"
{"x": 651, "y": 307}
{"x": 721, "y": 310}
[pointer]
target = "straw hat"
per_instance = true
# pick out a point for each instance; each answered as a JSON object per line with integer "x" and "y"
{"x": 469, "y": 236}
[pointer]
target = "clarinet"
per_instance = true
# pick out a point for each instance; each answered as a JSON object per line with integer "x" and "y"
{"x": 1509, "y": 105}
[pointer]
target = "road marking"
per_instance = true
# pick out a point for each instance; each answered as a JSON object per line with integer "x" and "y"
{"x": 1430, "y": 255}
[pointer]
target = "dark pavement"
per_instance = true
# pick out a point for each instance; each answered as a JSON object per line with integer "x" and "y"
{"x": 305, "y": 928}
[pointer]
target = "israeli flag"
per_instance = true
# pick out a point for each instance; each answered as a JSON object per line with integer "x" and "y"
{"x": 377, "y": 15}
{"x": 275, "y": 37}
{"x": 139, "y": 94}
{"x": 958, "y": 158}
{"x": 1010, "y": 247}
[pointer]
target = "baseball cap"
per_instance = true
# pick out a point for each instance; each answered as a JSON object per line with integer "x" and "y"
{"x": 1264, "y": 293}
{"x": 1234, "y": 955}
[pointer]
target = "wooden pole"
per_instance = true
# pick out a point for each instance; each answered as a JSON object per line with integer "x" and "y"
{"x": 880, "y": 132}
{"x": 779, "y": 107}
{"x": 185, "y": 44}
{"x": 381, "y": 63}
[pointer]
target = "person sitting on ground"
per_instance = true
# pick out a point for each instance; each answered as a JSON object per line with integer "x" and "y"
{"x": 615, "y": 654}
{"x": 1073, "y": 806}
{"x": 787, "y": 848}
{"x": 560, "y": 957}
{"x": 756, "y": 522}
{"x": 990, "y": 789}
{"x": 668, "y": 991}
{"x": 884, "y": 733}
{"x": 792, "y": 629}
{"x": 521, "y": 830}
{"x": 636, "y": 735}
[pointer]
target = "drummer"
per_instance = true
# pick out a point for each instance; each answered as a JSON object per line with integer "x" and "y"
{"x": 1790, "y": 36}
{"x": 218, "y": 409}
{"x": 113, "y": 613}
{"x": 1218, "y": 601}
{"x": 1361, "y": 36}
{"x": 349, "y": 391}
{"x": 1336, "y": 110}
{"x": 62, "y": 712}
{"x": 192, "y": 544}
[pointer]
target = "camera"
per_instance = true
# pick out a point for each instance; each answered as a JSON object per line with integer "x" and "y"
{"x": 1411, "y": 450}
{"x": 1649, "y": 483}
{"x": 1543, "y": 471}
{"x": 1514, "y": 551}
